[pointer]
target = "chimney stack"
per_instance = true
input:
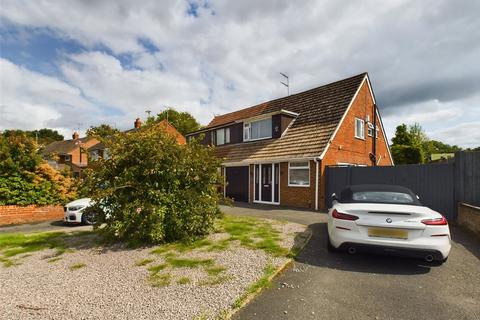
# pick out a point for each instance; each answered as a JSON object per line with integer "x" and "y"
{"x": 75, "y": 135}
{"x": 138, "y": 123}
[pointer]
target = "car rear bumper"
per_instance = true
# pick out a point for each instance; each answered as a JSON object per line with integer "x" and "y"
{"x": 391, "y": 250}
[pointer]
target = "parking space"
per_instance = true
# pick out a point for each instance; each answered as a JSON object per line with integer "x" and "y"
{"x": 321, "y": 285}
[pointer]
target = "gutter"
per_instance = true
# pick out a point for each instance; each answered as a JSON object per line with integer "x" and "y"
{"x": 317, "y": 161}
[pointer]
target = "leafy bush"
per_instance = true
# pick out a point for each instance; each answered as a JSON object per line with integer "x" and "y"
{"x": 25, "y": 178}
{"x": 403, "y": 154}
{"x": 153, "y": 189}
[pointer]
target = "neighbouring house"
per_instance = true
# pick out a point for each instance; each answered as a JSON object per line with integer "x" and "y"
{"x": 99, "y": 150}
{"x": 69, "y": 153}
{"x": 276, "y": 152}
{"x": 442, "y": 157}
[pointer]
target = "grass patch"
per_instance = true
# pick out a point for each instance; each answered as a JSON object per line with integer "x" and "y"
{"x": 143, "y": 262}
{"x": 184, "y": 280}
{"x": 188, "y": 263}
{"x": 253, "y": 234}
{"x": 77, "y": 266}
{"x": 15, "y": 244}
{"x": 160, "y": 279}
{"x": 215, "y": 270}
{"x": 7, "y": 262}
{"x": 260, "y": 284}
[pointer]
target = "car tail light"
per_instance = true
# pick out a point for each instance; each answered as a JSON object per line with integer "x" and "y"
{"x": 435, "y": 222}
{"x": 343, "y": 216}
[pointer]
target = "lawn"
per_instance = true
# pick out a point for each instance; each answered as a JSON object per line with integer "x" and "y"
{"x": 205, "y": 278}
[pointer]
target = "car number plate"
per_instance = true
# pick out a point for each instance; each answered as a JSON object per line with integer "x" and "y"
{"x": 387, "y": 233}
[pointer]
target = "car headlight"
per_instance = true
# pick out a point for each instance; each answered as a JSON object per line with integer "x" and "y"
{"x": 75, "y": 208}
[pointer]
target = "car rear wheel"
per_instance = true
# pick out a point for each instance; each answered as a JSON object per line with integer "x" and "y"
{"x": 88, "y": 218}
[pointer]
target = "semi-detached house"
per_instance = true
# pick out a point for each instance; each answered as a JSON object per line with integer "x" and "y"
{"x": 276, "y": 152}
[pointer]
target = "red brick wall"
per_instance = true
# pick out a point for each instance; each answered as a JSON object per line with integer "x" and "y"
{"x": 27, "y": 214}
{"x": 345, "y": 148}
{"x": 302, "y": 197}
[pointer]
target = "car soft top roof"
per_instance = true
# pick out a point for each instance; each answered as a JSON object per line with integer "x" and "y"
{"x": 347, "y": 192}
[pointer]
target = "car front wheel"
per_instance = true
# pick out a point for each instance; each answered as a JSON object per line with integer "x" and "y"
{"x": 88, "y": 218}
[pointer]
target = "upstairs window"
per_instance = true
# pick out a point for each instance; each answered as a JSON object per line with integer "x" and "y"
{"x": 68, "y": 158}
{"x": 370, "y": 130}
{"x": 256, "y": 130}
{"x": 222, "y": 136}
{"x": 359, "y": 128}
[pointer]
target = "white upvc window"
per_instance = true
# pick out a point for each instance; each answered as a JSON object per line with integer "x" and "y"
{"x": 256, "y": 130}
{"x": 359, "y": 128}
{"x": 222, "y": 136}
{"x": 106, "y": 154}
{"x": 94, "y": 155}
{"x": 299, "y": 174}
{"x": 68, "y": 158}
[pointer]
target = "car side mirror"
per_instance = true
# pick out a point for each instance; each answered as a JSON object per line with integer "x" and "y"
{"x": 334, "y": 197}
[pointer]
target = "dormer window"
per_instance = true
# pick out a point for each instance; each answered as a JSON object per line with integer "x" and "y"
{"x": 256, "y": 130}
{"x": 68, "y": 158}
{"x": 222, "y": 136}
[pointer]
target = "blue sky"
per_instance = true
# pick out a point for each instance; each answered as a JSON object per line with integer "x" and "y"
{"x": 72, "y": 65}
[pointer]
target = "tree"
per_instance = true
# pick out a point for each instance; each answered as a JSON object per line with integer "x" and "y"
{"x": 43, "y": 136}
{"x": 403, "y": 154}
{"x": 184, "y": 122}
{"x": 153, "y": 189}
{"x": 103, "y": 130}
{"x": 402, "y": 136}
{"x": 25, "y": 178}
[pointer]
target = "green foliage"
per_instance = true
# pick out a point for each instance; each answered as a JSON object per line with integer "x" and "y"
{"x": 155, "y": 190}
{"x": 25, "y": 178}
{"x": 403, "y": 154}
{"x": 411, "y": 145}
{"x": 43, "y": 136}
{"x": 102, "y": 131}
{"x": 184, "y": 122}
{"x": 77, "y": 266}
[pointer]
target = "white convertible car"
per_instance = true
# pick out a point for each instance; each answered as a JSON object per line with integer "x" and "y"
{"x": 74, "y": 212}
{"x": 386, "y": 219}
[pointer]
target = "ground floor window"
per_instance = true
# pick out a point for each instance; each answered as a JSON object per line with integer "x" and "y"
{"x": 299, "y": 174}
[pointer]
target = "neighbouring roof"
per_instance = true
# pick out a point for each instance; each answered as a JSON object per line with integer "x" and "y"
{"x": 319, "y": 112}
{"x": 65, "y": 146}
{"x": 164, "y": 125}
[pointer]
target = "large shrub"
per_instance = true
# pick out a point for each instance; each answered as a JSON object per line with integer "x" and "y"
{"x": 25, "y": 178}
{"x": 154, "y": 190}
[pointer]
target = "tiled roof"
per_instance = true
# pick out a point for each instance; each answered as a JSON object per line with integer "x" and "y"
{"x": 320, "y": 110}
{"x": 65, "y": 146}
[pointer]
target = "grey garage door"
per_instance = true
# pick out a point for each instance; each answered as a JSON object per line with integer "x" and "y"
{"x": 237, "y": 183}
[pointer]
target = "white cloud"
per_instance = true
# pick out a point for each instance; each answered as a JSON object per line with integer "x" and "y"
{"x": 422, "y": 56}
{"x": 30, "y": 100}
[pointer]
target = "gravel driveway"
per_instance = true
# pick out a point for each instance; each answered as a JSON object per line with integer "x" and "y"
{"x": 110, "y": 283}
{"x": 340, "y": 286}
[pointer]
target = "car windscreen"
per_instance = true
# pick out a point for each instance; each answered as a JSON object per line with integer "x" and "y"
{"x": 378, "y": 194}
{"x": 382, "y": 197}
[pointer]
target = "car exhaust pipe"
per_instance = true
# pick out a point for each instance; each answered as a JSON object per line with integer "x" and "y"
{"x": 429, "y": 258}
{"x": 352, "y": 250}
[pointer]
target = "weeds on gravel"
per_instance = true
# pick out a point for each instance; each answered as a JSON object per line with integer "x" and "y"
{"x": 261, "y": 283}
{"x": 183, "y": 280}
{"x": 215, "y": 270}
{"x": 143, "y": 262}
{"x": 156, "y": 269}
{"x": 160, "y": 279}
{"x": 77, "y": 266}
{"x": 188, "y": 263}
{"x": 211, "y": 281}
{"x": 52, "y": 260}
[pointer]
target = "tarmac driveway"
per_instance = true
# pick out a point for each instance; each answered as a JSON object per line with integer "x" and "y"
{"x": 321, "y": 285}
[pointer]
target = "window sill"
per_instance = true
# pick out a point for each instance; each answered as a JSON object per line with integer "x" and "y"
{"x": 360, "y": 138}
{"x": 299, "y": 185}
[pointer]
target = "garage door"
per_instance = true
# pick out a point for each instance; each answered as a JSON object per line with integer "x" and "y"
{"x": 237, "y": 183}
